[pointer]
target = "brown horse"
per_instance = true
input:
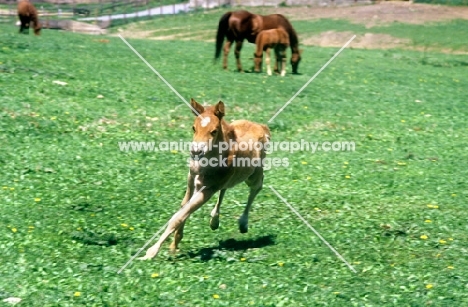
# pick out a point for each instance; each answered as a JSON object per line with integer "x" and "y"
{"x": 239, "y": 25}
{"x": 278, "y": 39}
{"x": 219, "y": 161}
{"x": 27, "y": 14}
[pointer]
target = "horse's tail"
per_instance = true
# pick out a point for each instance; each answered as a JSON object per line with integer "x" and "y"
{"x": 222, "y": 30}
{"x": 267, "y": 133}
{"x": 266, "y": 148}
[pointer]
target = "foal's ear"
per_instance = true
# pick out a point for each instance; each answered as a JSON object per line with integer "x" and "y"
{"x": 197, "y": 108}
{"x": 219, "y": 110}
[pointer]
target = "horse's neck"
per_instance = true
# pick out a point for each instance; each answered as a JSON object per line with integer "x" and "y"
{"x": 293, "y": 40}
{"x": 257, "y": 21}
{"x": 295, "y": 49}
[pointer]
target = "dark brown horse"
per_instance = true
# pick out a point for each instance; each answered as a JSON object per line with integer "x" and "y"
{"x": 27, "y": 14}
{"x": 239, "y": 25}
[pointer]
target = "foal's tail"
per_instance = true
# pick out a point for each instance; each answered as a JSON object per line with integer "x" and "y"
{"x": 267, "y": 134}
{"x": 222, "y": 30}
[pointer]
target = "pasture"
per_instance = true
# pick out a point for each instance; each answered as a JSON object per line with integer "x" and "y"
{"x": 75, "y": 208}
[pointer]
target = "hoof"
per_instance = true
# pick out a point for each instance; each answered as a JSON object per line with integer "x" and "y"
{"x": 150, "y": 253}
{"x": 243, "y": 224}
{"x": 243, "y": 228}
{"x": 214, "y": 222}
{"x": 144, "y": 258}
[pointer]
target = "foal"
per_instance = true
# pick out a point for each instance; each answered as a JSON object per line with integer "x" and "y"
{"x": 27, "y": 13}
{"x": 219, "y": 161}
{"x": 267, "y": 39}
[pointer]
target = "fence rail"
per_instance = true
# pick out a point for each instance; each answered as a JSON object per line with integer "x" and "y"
{"x": 107, "y": 12}
{"x": 100, "y": 11}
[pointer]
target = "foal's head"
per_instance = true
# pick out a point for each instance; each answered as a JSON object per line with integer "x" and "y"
{"x": 207, "y": 129}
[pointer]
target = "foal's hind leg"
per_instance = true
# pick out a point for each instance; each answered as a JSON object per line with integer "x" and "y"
{"x": 255, "y": 182}
{"x": 214, "y": 221}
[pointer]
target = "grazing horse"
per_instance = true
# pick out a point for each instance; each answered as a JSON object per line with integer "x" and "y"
{"x": 219, "y": 161}
{"x": 278, "y": 39}
{"x": 239, "y": 25}
{"x": 27, "y": 14}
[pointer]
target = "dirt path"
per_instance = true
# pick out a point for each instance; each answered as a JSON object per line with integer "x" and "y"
{"x": 368, "y": 40}
{"x": 370, "y": 16}
{"x": 378, "y": 14}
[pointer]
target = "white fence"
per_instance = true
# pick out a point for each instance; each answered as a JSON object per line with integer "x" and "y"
{"x": 208, "y": 4}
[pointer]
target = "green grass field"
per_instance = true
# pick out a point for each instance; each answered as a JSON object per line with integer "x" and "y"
{"x": 74, "y": 208}
{"x": 442, "y": 36}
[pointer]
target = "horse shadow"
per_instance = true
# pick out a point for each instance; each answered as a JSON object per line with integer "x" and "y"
{"x": 276, "y": 72}
{"x": 209, "y": 253}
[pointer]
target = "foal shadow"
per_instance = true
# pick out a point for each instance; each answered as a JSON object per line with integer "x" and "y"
{"x": 209, "y": 253}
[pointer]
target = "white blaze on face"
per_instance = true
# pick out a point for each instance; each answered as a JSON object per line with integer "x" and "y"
{"x": 205, "y": 121}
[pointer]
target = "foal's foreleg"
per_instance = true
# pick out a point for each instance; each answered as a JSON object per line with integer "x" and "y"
{"x": 268, "y": 61}
{"x": 281, "y": 59}
{"x": 214, "y": 221}
{"x": 179, "y": 218}
{"x": 27, "y": 22}
{"x": 179, "y": 232}
{"x": 24, "y": 27}
{"x": 276, "y": 68}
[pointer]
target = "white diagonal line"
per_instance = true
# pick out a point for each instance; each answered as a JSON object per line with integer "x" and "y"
{"x": 154, "y": 236}
{"x": 159, "y": 75}
{"x": 142, "y": 248}
{"x": 313, "y": 229}
{"x": 311, "y": 79}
